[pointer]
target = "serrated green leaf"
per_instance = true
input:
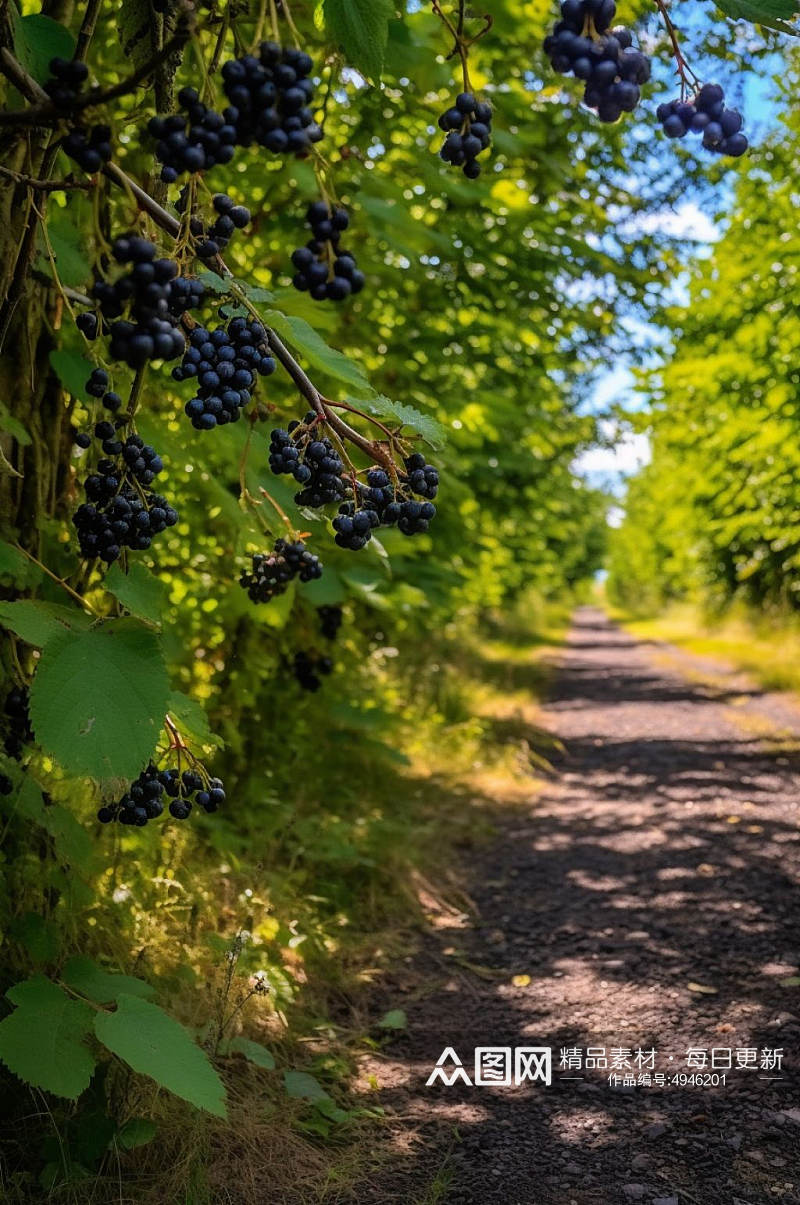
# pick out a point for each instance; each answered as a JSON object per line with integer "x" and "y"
{"x": 139, "y": 590}
{"x": 302, "y": 1086}
{"x": 771, "y": 13}
{"x": 214, "y": 284}
{"x": 37, "y": 936}
{"x": 361, "y": 27}
{"x": 136, "y": 1132}
{"x": 98, "y": 699}
{"x": 42, "y": 1041}
{"x": 37, "y": 622}
{"x": 254, "y": 1052}
{"x": 383, "y": 407}
{"x": 153, "y": 1044}
{"x": 192, "y": 721}
{"x": 72, "y": 370}
{"x": 394, "y": 1019}
{"x": 84, "y": 976}
{"x": 302, "y": 337}
{"x": 37, "y": 39}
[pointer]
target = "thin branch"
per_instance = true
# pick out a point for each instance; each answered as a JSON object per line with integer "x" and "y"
{"x": 46, "y": 185}
{"x": 86, "y": 32}
{"x": 19, "y": 77}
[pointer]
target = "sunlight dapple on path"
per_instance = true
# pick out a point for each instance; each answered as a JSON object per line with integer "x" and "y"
{"x": 647, "y": 900}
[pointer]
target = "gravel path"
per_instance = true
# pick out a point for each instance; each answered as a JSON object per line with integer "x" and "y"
{"x": 662, "y": 859}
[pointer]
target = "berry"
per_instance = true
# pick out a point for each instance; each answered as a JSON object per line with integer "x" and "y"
{"x": 311, "y": 459}
{"x": 612, "y": 69}
{"x": 120, "y": 511}
{"x": 323, "y": 268}
{"x": 143, "y": 799}
{"x": 380, "y": 503}
{"x": 307, "y": 667}
{"x": 272, "y": 572}
{"x": 705, "y": 114}
{"x": 143, "y": 307}
{"x": 226, "y": 364}
{"x": 194, "y": 140}
{"x": 330, "y": 620}
{"x": 271, "y": 97}
{"x": 468, "y": 126}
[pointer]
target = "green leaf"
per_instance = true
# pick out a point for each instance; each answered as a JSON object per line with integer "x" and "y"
{"x": 394, "y": 1019}
{"x": 72, "y": 370}
{"x": 762, "y": 12}
{"x": 361, "y": 27}
{"x": 99, "y": 697}
{"x": 84, "y": 976}
{"x": 16, "y": 566}
{"x": 37, "y": 622}
{"x": 42, "y": 1041}
{"x": 305, "y": 339}
{"x": 139, "y": 591}
{"x": 384, "y": 407}
{"x": 37, "y": 40}
{"x": 192, "y": 721}
{"x": 136, "y": 1132}
{"x": 254, "y": 1052}
{"x": 153, "y": 1044}
{"x": 37, "y": 936}
{"x": 302, "y": 1086}
{"x": 13, "y": 427}
{"x": 71, "y": 260}
{"x": 71, "y": 840}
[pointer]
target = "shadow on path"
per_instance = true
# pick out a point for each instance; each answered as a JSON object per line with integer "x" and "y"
{"x": 647, "y": 899}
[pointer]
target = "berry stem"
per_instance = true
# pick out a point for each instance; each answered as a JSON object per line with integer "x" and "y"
{"x": 87, "y": 606}
{"x": 683, "y": 69}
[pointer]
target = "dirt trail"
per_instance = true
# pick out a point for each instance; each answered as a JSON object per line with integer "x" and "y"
{"x": 664, "y": 852}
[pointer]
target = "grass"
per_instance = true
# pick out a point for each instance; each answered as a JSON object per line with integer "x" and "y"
{"x": 382, "y": 854}
{"x": 766, "y": 646}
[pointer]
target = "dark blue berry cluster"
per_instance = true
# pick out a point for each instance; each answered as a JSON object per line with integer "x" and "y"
{"x": 212, "y": 238}
{"x": 120, "y": 511}
{"x": 194, "y": 140}
{"x": 143, "y": 800}
{"x": 380, "y": 503}
{"x": 330, "y": 620}
{"x": 89, "y": 147}
{"x": 226, "y": 364}
{"x": 323, "y": 268}
{"x": 307, "y": 668}
{"x": 581, "y": 44}
{"x": 65, "y": 83}
{"x": 705, "y": 114}
{"x": 311, "y": 459}
{"x": 153, "y": 296}
{"x": 468, "y": 125}
{"x": 271, "y": 98}
{"x": 271, "y": 573}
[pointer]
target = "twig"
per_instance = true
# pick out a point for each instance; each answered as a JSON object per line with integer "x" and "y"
{"x": 59, "y": 581}
{"x": 86, "y": 32}
{"x": 682, "y": 67}
{"x": 46, "y": 185}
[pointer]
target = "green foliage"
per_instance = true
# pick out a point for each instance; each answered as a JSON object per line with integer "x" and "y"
{"x": 254, "y": 1052}
{"x": 84, "y": 976}
{"x": 362, "y": 29}
{"x": 714, "y": 516}
{"x": 139, "y": 591}
{"x": 98, "y": 698}
{"x": 44, "y": 1040}
{"x": 154, "y": 1044}
{"x": 37, "y": 39}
